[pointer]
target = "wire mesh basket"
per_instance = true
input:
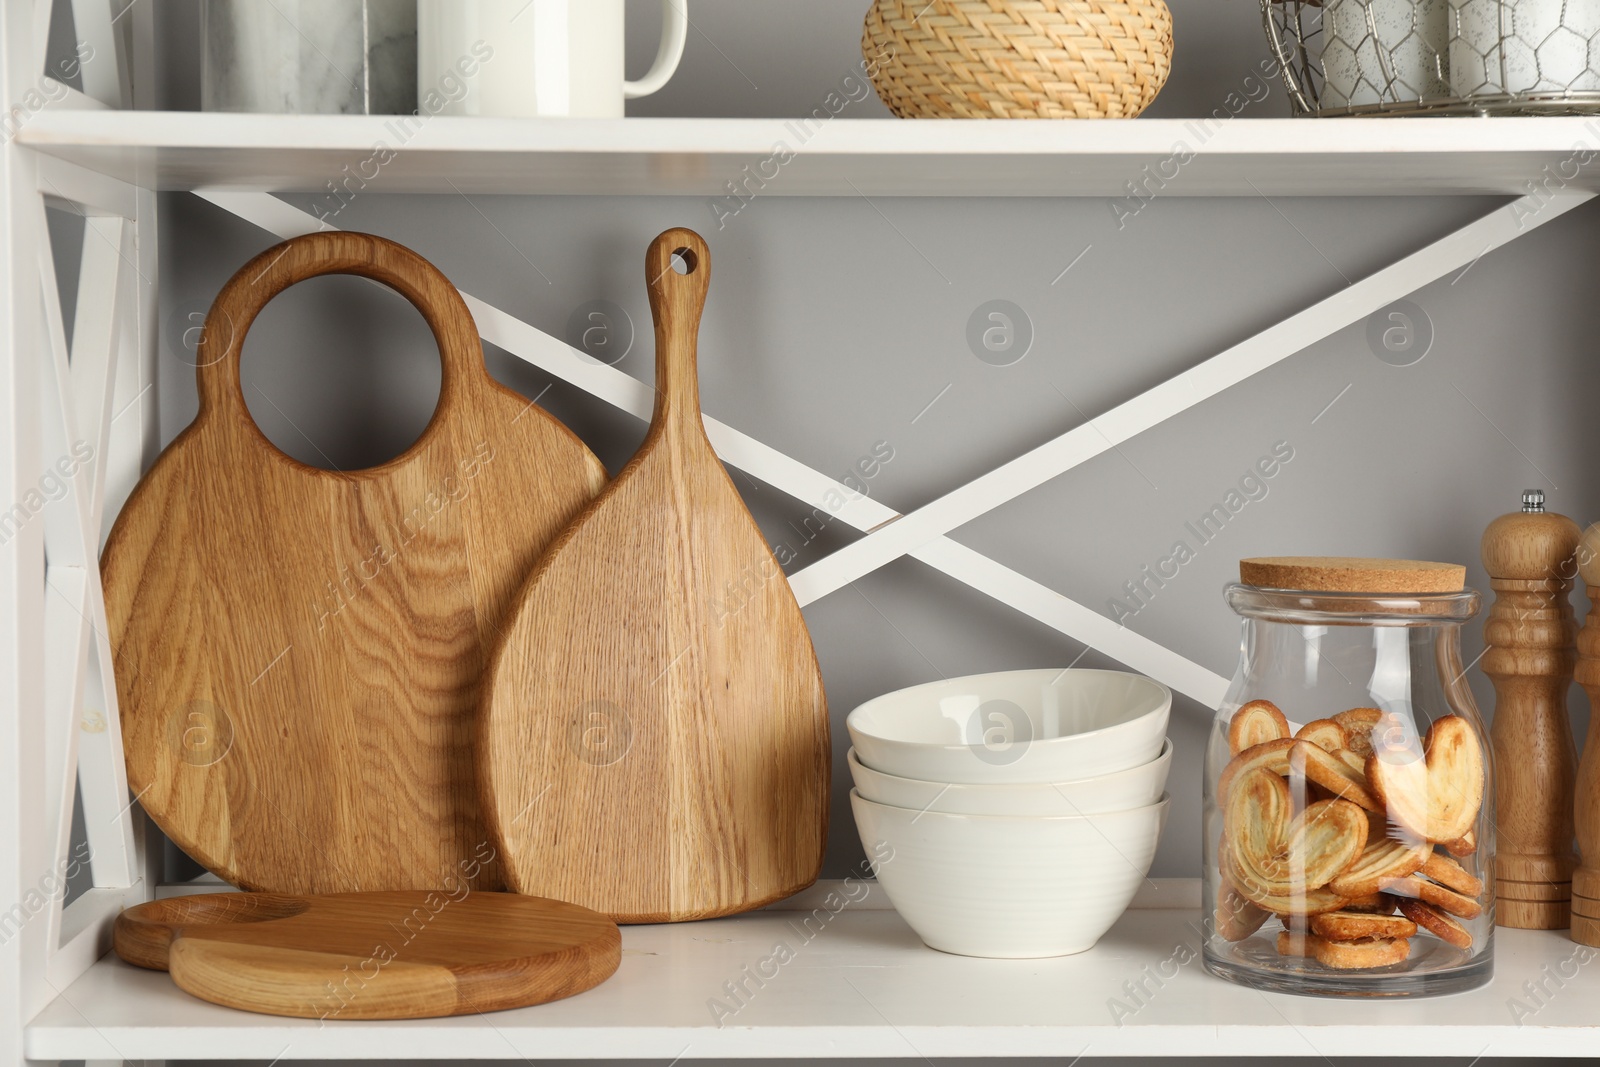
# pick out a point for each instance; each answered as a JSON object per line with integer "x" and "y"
{"x": 1441, "y": 57}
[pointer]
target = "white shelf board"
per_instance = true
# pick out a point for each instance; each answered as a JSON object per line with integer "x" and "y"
{"x": 836, "y": 157}
{"x": 864, "y": 986}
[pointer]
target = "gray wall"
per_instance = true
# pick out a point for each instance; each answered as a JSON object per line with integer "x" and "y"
{"x": 832, "y": 324}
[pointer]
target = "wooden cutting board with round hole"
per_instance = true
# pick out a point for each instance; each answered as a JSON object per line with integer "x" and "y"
{"x": 401, "y": 955}
{"x": 654, "y": 740}
{"x": 299, "y": 651}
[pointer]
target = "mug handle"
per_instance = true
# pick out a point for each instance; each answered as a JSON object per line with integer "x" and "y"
{"x": 674, "y": 33}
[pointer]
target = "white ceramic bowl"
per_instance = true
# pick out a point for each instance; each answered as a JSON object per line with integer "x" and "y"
{"x": 1136, "y": 787}
{"x": 1009, "y": 887}
{"x": 1015, "y": 726}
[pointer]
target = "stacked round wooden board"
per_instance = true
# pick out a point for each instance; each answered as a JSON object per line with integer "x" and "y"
{"x": 401, "y": 955}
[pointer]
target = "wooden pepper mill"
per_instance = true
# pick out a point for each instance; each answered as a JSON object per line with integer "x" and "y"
{"x": 1530, "y": 632}
{"x": 1586, "y": 879}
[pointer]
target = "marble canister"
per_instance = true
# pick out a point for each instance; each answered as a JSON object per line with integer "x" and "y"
{"x": 309, "y": 56}
{"x": 1524, "y": 46}
{"x": 1383, "y": 52}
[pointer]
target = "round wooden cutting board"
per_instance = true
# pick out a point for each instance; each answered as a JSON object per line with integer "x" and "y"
{"x": 402, "y": 955}
{"x": 298, "y": 651}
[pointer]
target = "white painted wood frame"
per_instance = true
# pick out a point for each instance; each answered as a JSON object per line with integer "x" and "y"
{"x": 77, "y": 427}
{"x": 77, "y": 424}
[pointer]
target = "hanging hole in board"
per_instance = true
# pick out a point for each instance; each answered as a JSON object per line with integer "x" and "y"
{"x": 684, "y": 261}
{"x": 339, "y": 372}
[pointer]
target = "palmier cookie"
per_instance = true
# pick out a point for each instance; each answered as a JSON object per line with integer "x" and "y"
{"x": 1316, "y": 764}
{"x": 1358, "y": 955}
{"x": 1277, "y": 859}
{"x": 1254, "y": 723}
{"x": 1293, "y": 943}
{"x": 1294, "y": 908}
{"x": 1290, "y": 909}
{"x": 1372, "y": 903}
{"x": 1435, "y": 795}
{"x": 1356, "y": 926}
{"x": 1358, "y": 724}
{"x": 1344, "y": 955}
{"x": 1315, "y": 792}
{"x": 1449, "y": 900}
{"x": 1379, "y": 828}
{"x": 1465, "y": 845}
{"x": 1436, "y": 922}
{"x": 1324, "y": 733}
{"x": 1269, "y": 755}
{"x": 1381, "y": 860}
{"x": 1450, "y": 874}
{"x": 1236, "y": 917}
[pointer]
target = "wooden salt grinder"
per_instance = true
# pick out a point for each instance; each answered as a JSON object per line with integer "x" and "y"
{"x": 1586, "y": 879}
{"x": 1530, "y": 632}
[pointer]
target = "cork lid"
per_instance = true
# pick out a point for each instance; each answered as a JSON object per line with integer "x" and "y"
{"x": 1352, "y": 574}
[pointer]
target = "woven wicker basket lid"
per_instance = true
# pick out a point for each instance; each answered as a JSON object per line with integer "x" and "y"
{"x": 1352, "y": 574}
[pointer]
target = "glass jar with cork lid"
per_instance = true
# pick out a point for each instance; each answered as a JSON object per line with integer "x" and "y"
{"x": 1348, "y": 823}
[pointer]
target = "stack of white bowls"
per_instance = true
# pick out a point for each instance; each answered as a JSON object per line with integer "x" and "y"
{"x": 1015, "y": 814}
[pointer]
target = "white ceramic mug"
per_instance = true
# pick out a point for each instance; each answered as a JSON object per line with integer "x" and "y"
{"x": 537, "y": 57}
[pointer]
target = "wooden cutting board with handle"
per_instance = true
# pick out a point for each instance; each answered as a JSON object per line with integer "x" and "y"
{"x": 402, "y": 955}
{"x": 654, "y": 739}
{"x": 299, "y": 651}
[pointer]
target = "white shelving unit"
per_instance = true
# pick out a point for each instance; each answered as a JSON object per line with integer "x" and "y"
{"x": 862, "y": 986}
{"x": 837, "y": 157}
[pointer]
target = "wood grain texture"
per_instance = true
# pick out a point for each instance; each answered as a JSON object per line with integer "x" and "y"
{"x": 1507, "y": 889}
{"x": 654, "y": 733}
{"x": 1352, "y": 574}
{"x": 1586, "y": 792}
{"x": 298, "y": 651}
{"x": 1532, "y": 914}
{"x": 1585, "y": 928}
{"x": 1531, "y": 633}
{"x": 397, "y": 955}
